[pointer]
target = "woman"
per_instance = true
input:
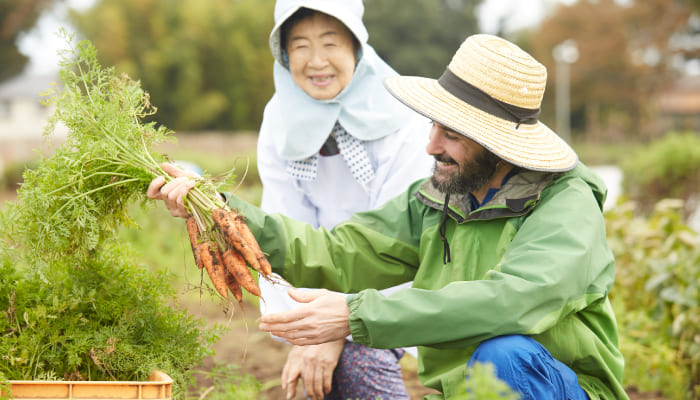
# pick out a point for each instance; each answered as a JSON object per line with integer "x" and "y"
{"x": 334, "y": 142}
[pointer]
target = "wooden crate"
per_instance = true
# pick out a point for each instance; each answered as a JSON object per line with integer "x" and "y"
{"x": 158, "y": 387}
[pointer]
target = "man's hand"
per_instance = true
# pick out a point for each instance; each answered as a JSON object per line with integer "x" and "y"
{"x": 173, "y": 193}
{"x": 324, "y": 318}
{"x": 314, "y": 365}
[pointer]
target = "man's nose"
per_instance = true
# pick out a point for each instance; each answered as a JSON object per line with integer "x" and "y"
{"x": 434, "y": 145}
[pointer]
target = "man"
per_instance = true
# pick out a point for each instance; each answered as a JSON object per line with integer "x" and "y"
{"x": 505, "y": 244}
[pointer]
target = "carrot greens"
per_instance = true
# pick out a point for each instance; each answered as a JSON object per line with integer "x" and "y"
{"x": 74, "y": 302}
{"x": 82, "y": 193}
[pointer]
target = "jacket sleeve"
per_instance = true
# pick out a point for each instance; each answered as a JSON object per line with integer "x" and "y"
{"x": 377, "y": 248}
{"x": 557, "y": 263}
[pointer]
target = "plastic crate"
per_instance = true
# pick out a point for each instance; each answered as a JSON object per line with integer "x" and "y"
{"x": 159, "y": 387}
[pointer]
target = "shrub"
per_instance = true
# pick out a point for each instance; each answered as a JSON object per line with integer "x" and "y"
{"x": 103, "y": 318}
{"x": 656, "y": 297}
{"x": 666, "y": 168}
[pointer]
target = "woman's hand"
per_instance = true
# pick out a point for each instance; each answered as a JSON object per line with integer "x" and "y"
{"x": 173, "y": 193}
{"x": 314, "y": 365}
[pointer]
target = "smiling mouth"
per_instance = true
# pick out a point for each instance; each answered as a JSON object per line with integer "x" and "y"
{"x": 444, "y": 161}
{"x": 321, "y": 80}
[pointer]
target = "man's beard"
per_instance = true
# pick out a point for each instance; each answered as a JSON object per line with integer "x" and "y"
{"x": 471, "y": 176}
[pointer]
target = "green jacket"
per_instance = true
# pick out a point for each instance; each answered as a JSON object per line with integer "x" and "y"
{"x": 534, "y": 261}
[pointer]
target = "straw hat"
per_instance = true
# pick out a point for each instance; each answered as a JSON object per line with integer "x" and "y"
{"x": 491, "y": 93}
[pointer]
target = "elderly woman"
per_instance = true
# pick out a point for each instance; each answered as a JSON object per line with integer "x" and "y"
{"x": 334, "y": 142}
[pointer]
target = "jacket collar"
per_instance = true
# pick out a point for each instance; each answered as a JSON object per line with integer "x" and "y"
{"x": 517, "y": 197}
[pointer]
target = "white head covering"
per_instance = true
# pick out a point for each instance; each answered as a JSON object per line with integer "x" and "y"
{"x": 364, "y": 107}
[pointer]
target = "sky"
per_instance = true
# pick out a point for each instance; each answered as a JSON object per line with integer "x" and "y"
{"x": 42, "y": 44}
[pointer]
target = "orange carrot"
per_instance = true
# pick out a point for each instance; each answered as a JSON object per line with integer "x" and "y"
{"x": 212, "y": 261}
{"x": 234, "y": 286}
{"x": 193, "y": 232}
{"x": 224, "y": 220}
{"x": 244, "y": 230}
{"x": 236, "y": 265}
{"x": 219, "y": 278}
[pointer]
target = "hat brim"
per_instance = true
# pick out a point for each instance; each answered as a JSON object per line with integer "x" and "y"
{"x": 531, "y": 146}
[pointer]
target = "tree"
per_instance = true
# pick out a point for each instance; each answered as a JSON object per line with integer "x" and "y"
{"x": 624, "y": 57}
{"x": 16, "y": 17}
{"x": 419, "y": 37}
{"x": 206, "y": 64}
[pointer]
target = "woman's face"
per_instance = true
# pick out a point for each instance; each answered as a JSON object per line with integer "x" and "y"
{"x": 321, "y": 55}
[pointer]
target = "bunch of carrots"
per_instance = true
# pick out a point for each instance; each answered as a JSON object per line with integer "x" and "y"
{"x": 106, "y": 162}
{"x": 227, "y": 263}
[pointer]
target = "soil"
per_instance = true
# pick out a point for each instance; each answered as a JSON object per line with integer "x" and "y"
{"x": 263, "y": 357}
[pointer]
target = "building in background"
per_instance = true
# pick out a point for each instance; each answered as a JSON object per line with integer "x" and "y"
{"x": 23, "y": 117}
{"x": 679, "y": 105}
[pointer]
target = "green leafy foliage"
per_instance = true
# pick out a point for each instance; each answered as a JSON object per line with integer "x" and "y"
{"x": 227, "y": 381}
{"x": 80, "y": 195}
{"x": 72, "y": 199}
{"x": 665, "y": 168}
{"x": 206, "y": 64}
{"x": 656, "y": 297}
{"x": 419, "y": 37}
{"x": 102, "y": 318}
{"x": 74, "y": 303}
{"x": 482, "y": 384}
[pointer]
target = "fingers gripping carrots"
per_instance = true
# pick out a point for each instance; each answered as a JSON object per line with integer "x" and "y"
{"x": 226, "y": 261}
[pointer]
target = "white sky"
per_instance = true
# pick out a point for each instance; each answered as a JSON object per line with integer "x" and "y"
{"x": 42, "y": 44}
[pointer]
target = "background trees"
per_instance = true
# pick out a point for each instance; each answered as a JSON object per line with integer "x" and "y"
{"x": 206, "y": 64}
{"x": 627, "y": 53}
{"x": 419, "y": 37}
{"x": 16, "y": 16}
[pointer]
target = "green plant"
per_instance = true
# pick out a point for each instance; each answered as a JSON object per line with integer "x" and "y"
{"x": 226, "y": 382}
{"x": 482, "y": 384}
{"x": 101, "y": 318}
{"x": 657, "y": 296}
{"x": 81, "y": 194}
{"x": 665, "y": 168}
{"x": 75, "y": 304}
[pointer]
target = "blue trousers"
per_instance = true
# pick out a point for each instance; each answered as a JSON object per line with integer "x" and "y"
{"x": 529, "y": 369}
